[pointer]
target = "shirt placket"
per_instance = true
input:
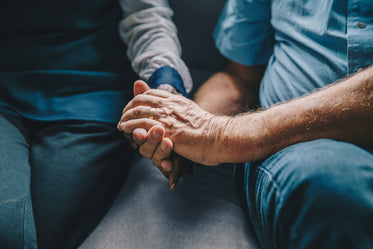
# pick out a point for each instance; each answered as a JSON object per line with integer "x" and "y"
{"x": 359, "y": 35}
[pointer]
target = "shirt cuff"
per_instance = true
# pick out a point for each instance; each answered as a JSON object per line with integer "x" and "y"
{"x": 167, "y": 75}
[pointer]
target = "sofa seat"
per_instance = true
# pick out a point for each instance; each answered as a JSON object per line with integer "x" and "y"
{"x": 202, "y": 212}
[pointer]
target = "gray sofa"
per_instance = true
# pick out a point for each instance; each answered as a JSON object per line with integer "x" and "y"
{"x": 204, "y": 211}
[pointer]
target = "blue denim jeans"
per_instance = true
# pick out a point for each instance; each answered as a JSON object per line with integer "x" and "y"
{"x": 57, "y": 179}
{"x": 316, "y": 194}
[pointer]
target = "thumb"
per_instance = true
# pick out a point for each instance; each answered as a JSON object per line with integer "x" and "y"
{"x": 140, "y": 87}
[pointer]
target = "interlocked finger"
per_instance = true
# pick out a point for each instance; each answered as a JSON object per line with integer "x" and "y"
{"x": 155, "y": 136}
{"x": 144, "y": 123}
{"x": 144, "y": 100}
{"x": 139, "y": 136}
{"x": 162, "y": 152}
{"x": 142, "y": 112}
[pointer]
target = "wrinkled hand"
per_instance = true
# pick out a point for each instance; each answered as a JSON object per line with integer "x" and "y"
{"x": 152, "y": 144}
{"x": 159, "y": 150}
{"x": 193, "y": 131}
{"x": 139, "y": 137}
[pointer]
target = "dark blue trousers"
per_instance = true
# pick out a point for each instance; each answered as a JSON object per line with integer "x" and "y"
{"x": 57, "y": 180}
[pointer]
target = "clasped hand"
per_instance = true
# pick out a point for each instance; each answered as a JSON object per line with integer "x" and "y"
{"x": 176, "y": 124}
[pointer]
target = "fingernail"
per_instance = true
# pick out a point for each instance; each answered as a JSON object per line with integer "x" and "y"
{"x": 163, "y": 147}
{"x": 172, "y": 187}
{"x": 122, "y": 125}
{"x": 164, "y": 169}
{"x": 156, "y": 134}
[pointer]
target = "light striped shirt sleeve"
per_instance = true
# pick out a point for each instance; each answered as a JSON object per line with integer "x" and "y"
{"x": 151, "y": 38}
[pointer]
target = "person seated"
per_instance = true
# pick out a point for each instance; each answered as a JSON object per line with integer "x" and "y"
{"x": 64, "y": 80}
{"x": 304, "y": 159}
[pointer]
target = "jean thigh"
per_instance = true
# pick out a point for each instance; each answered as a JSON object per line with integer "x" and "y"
{"x": 77, "y": 170}
{"x": 17, "y": 229}
{"x": 315, "y": 194}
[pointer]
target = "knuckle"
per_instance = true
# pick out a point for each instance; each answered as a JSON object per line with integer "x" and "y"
{"x": 161, "y": 115}
{"x": 151, "y": 91}
{"x": 137, "y": 99}
{"x": 137, "y": 112}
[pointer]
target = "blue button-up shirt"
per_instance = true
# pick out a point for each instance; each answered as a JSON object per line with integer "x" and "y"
{"x": 306, "y": 44}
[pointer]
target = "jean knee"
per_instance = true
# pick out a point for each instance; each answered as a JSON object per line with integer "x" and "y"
{"x": 324, "y": 194}
{"x": 324, "y": 167}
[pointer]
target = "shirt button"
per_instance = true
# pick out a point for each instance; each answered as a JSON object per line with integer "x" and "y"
{"x": 361, "y": 25}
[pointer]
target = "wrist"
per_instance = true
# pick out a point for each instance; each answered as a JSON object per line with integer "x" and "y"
{"x": 243, "y": 138}
{"x": 167, "y": 75}
{"x": 215, "y": 137}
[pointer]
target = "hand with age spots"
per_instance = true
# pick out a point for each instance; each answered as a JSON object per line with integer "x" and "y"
{"x": 153, "y": 144}
{"x": 194, "y": 132}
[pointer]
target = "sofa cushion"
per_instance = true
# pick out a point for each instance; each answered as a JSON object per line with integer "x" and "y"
{"x": 202, "y": 212}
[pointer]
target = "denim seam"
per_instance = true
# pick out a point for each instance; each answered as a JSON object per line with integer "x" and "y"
{"x": 23, "y": 223}
{"x": 273, "y": 180}
{"x": 278, "y": 196}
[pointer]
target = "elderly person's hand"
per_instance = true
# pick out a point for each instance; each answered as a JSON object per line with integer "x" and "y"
{"x": 192, "y": 130}
{"x": 158, "y": 148}
{"x": 152, "y": 144}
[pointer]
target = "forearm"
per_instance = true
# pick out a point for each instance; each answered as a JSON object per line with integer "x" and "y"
{"x": 230, "y": 91}
{"x": 151, "y": 37}
{"x": 343, "y": 111}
